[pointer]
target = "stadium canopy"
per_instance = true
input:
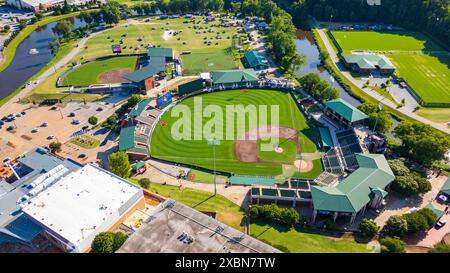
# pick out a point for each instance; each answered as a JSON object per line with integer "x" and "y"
{"x": 155, "y": 66}
{"x": 139, "y": 107}
{"x": 233, "y": 76}
{"x": 356, "y": 190}
{"x": 345, "y": 110}
{"x": 126, "y": 139}
{"x": 325, "y": 135}
{"x": 252, "y": 180}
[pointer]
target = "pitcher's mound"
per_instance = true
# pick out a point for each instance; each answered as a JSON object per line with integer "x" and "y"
{"x": 279, "y": 150}
{"x": 303, "y": 166}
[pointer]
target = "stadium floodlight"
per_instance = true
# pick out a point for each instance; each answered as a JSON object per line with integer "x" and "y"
{"x": 214, "y": 143}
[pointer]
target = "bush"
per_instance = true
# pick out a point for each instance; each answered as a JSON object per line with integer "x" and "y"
{"x": 398, "y": 167}
{"x": 368, "y": 227}
{"x": 55, "y": 147}
{"x": 254, "y": 212}
{"x": 396, "y": 225}
{"x": 289, "y": 216}
{"x": 108, "y": 242}
{"x": 440, "y": 248}
{"x": 411, "y": 184}
{"x": 330, "y": 225}
{"x": 286, "y": 216}
{"x": 419, "y": 221}
{"x": 392, "y": 245}
{"x": 144, "y": 182}
{"x": 429, "y": 215}
{"x": 93, "y": 120}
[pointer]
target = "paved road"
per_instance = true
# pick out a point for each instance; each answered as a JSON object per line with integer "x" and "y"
{"x": 374, "y": 94}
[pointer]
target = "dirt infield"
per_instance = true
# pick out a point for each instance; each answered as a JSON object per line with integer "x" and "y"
{"x": 246, "y": 147}
{"x": 113, "y": 76}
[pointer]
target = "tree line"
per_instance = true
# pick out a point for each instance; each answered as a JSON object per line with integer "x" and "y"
{"x": 430, "y": 16}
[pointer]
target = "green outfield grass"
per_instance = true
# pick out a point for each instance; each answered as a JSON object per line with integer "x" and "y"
{"x": 199, "y": 153}
{"x": 384, "y": 41}
{"x": 89, "y": 73}
{"x": 208, "y": 61}
{"x": 297, "y": 240}
{"x": 427, "y": 72}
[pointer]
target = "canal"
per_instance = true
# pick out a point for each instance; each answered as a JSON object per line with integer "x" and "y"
{"x": 24, "y": 65}
{"x": 306, "y": 45}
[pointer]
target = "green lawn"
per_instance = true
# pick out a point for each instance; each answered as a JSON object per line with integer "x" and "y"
{"x": 204, "y": 177}
{"x": 421, "y": 62}
{"x": 287, "y": 155}
{"x": 428, "y": 75}
{"x": 300, "y": 241}
{"x": 202, "y": 57}
{"x": 227, "y": 211}
{"x": 85, "y": 141}
{"x": 89, "y": 73}
{"x": 384, "y": 41}
{"x": 199, "y": 153}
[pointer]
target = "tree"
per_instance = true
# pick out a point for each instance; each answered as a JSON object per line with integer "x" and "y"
{"x": 254, "y": 212}
{"x": 22, "y": 23}
{"x": 119, "y": 164}
{"x": 111, "y": 122}
{"x": 110, "y": 13}
{"x": 55, "y": 147}
{"x": 144, "y": 182}
{"x": 368, "y": 227}
{"x": 103, "y": 243}
{"x": 396, "y": 225}
{"x": 392, "y": 245}
{"x": 440, "y": 248}
{"x": 429, "y": 215}
{"x": 289, "y": 216}
{"x": 411, "y": 184}
{"x": 93, "y": 120}
{"x": 63, "y": 28}
{"x": 398, "y": 167}
{"x": 133, "y": 100}
{"x": 421, "y": 142}
{"x": 416, "y": 221}
{"x": 378, "y": 120}
{"x": 108, "y": 242}
{"x": 66, "y": 9}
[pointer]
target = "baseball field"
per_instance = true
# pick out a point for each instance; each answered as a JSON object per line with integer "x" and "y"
{"x": 240, "y": 155}
{"x": 421, "y": 62}
{"x": 104, "y": 71}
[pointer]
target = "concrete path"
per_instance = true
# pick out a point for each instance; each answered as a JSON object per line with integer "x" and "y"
{"x": 373, "y": 94}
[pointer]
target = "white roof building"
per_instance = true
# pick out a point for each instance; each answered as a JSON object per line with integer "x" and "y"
{"x": 82, "y": 204}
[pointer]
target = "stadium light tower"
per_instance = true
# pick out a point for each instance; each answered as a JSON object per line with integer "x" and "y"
{"x": 213, "y": 143}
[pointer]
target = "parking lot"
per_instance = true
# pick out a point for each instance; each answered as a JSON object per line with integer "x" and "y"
{"x": 29, "y": 131}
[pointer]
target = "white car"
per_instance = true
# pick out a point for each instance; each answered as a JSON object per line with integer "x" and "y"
{"x": 442, "y": 198}
{"x": 441, "y": 223}
{"x": 34, "y": 130}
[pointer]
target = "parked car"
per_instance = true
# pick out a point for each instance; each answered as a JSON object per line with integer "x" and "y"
{"x": 85, "y": 127}
{"x": 10, "y": 128}
{"x": 6, "y": 160}
{"x": 76, "y": 121}
{"x": 72, "y": 114}
{"x": 441, "y": 223}
{"x": 53, "y": 108}
{"x": 50, "y": 137}
{"x": 45, "y": 124}
{"x": 442, "y": 198}
{"x": 82, "y": 156}
{"x": 34, "y": 130}
{"x": 99, "y": 109}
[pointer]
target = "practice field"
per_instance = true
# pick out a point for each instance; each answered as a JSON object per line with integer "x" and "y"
{"x": 104, "y": 71}
{"x": 237, "y": 155}
{"x": 428, "y": 75}
{"x": 384, "y": 41}
{"x": 421, "y": 62}
{"x": 139, "y": 34}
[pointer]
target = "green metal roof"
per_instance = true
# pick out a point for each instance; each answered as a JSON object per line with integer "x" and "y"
{"x": 231, "y": 76}
{"x": 139, "y": 107}
{"x": 254, "y": 58}
{"x": 252, "y": 180}
{"x": 155, "y": 66}
{"x": 439, "y": 212}
{"x": 126, "y": 139}
{"x": 446, "y": 187}
{"x": 325, "y": 135}
{"x": 159, "y": 52}
{"x": 345, "y": 110}
{"x": 190, "y": 87}
{"x": 369, "y": 61}
{"x": 355, "y": 191}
